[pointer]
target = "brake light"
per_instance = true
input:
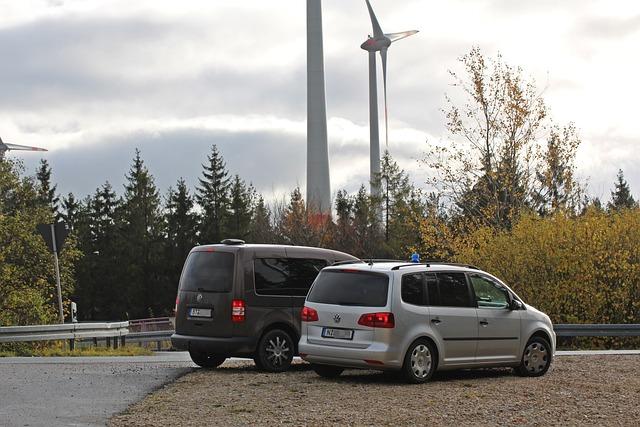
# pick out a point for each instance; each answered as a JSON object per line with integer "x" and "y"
{"x": 377, "y": 320}
{"x": 308, "y": 314}
{"x": 237, "y": 311}
{"x": 175, "y": 309}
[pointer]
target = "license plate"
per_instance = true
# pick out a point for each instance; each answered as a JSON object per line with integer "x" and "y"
{"x": 200, "y": 312}
{"x": 341, "y": 334}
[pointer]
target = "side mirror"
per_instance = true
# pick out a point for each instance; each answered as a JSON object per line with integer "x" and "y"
{"x": 516, "y": 305}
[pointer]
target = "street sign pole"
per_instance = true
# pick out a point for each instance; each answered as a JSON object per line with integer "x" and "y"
{"x": 55, "y": 255}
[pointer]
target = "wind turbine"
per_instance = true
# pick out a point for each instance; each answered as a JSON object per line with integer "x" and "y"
{"x": 380, "y": 42}
{"x": 4, "y": 147}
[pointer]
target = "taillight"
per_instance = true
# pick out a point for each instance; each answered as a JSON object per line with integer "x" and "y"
{"x": 237, "y": 311}
{"x": 377, "y": 320}
{"x": 175, "y": 309}
{"x": 308, "y": 314}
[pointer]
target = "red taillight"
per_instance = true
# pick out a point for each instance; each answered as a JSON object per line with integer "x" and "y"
{"x": 237, "y": 311}
{"x": 175, "y": 309}
{"x": 308, "y": 314}
{"x": 377, "y": 320}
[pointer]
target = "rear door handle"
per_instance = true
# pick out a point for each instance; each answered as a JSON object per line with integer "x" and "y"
{"x": 484, "y": 322}
{"x": 436, "y": 321}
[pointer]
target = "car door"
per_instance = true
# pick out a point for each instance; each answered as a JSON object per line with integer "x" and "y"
{"x": 453, "y": 317}
{"x": 498, "y": 325}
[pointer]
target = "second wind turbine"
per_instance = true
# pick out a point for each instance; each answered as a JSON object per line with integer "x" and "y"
{"x": 380, "y": 42}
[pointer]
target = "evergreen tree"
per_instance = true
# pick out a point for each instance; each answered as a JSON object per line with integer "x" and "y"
{"x": 213, "y": 197}
{"x": 100, "y": 293}
{"x": 182, "y": 228}
{"x": 621, "y": 197}
{"x": 366, "y": 225}
{"x": 261, "y": 225}
{"x": 46, "y": 191}
{"x": 345, "y": 234}
{"x": 141, "y": 232}
{"x": 70, "y": 208}
{"x": 241, "y": 208}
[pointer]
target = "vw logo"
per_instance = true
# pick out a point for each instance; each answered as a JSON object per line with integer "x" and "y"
{"x": 336, "y": 318}
{"x": 199, "y": 298}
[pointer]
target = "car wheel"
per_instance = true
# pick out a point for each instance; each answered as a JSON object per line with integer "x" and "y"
{"x": 275, "y": 351}
{"x": 327, "y": 371}
{"x": 419, "y": 362}
{"x": 206, "y": 360}
{"x": 536, "y": 358}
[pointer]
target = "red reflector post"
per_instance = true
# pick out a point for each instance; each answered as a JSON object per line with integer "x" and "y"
{"x": 377, "y": 320}
{"x": 308, "y": 314}
{"x": 237, "y": 311}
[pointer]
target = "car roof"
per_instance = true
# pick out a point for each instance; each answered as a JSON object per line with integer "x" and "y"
{"x": 402, "y": 266}
{"x": 238, "y": 246}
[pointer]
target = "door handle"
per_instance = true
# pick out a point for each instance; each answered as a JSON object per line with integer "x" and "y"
{"x": 436, "y": 321}
{"x": 484, "y": 322}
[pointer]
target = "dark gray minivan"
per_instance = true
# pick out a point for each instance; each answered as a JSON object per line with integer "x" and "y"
{"x": 244, "y": 300}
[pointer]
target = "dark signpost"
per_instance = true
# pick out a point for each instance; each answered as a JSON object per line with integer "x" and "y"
{"x": 54, "y": 235}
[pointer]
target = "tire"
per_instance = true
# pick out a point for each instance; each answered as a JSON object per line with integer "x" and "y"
{"x": 419, "y": 362}
{"x": 275, "y": 351}
{"x": 536, "y": 358}
{"x": 327, "y": 371}
{"x": 206, "y": 360}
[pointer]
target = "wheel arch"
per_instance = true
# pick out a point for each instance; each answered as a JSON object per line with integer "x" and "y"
{"x": 431, "y": 341}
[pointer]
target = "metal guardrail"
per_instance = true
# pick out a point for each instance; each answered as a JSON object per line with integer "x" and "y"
{"x": 597, "y": 330}
{"x": 115, "y": 330}
{"x": 66, "y": 331}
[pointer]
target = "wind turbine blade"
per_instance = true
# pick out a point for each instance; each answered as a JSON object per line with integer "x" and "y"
{"x": 397, "y": 36}
{"x": 22, "y": 147}
{"x": 383, "y": 54}
{"x": 377, "y": 31}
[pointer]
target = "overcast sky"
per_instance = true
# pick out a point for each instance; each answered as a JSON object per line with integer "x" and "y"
{"x": 91, "y": 80}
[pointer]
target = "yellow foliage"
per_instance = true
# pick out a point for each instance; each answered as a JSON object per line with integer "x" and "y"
{"x": 582, "y": 269}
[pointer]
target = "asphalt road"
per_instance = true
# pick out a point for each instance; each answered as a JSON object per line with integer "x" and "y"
{"x": 84, "y": 391}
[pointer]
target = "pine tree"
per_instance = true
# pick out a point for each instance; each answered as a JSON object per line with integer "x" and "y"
{"x": 345, "y": 234}
{"x": 213, "y": 197}
{"x": 241, "y": 208}
{"x": 621, "y": 197}
{"x": 70, "y": 208}
{"x": 182, "y": 228}
{"x": 47, "y": 192}
{"x": 261, "y": 225}
{"x": 100, "y": 294}
{"x": 367, "y": 226}
{"x": 141, "y": 232}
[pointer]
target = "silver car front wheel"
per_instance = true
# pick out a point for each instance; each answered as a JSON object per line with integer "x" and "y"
{"x": 536, "y": 358}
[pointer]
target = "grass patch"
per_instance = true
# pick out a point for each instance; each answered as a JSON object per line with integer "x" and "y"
{"x": 59, "y": 351}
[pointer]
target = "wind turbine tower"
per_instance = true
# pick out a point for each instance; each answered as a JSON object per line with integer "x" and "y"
{"x": 318, "y": 184}
{"x": 379, "y": 42}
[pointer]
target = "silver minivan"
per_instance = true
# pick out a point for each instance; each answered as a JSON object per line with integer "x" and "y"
{"x": 419, "y": 318}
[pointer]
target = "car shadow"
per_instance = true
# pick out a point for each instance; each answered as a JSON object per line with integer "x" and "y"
{"x": 395, "y": 377}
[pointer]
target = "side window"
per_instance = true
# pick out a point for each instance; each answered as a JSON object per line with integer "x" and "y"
{"x": 454, "y": 291}
{"x": 413, "y": 289}
{"x": 285, "y": 276}
{"x": 489, "y": 294}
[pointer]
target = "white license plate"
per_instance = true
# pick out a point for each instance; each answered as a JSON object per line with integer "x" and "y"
{"x": 200, "y": 312}
{"x": 341, "y": 334}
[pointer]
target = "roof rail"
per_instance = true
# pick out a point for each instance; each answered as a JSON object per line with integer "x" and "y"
{"x": 369, "y": 261}
{"x": 454, "y": 264}
{"x": 412, "y": 264}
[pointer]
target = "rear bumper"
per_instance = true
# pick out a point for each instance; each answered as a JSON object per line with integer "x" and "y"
{"x": 376, "y": 356}
{"x": 232, "y": 346}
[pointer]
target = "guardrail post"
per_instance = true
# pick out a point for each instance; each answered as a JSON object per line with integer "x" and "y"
{"x": 72, "y": 344}
{"x": 108, "y": 342}
{"x": 122, "y": 341}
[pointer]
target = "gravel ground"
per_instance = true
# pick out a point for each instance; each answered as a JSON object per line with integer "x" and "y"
{"x": 578, "y": 390}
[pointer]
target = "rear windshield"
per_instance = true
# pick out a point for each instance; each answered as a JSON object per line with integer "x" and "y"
{"x": 350, "y": 288}
{"x": 208, "y": 272}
